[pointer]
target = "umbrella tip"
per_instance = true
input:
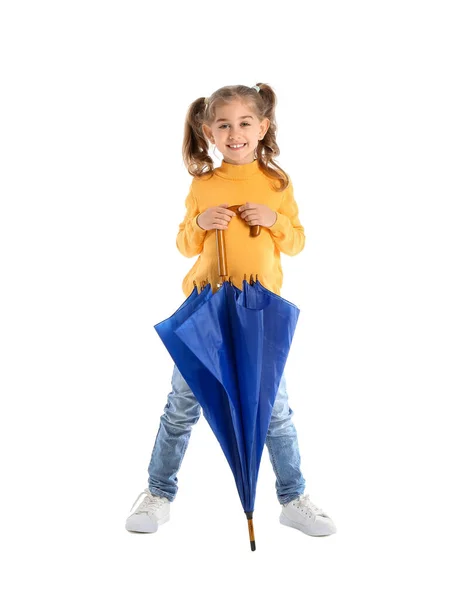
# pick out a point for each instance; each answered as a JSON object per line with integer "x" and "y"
{"x": 251, "y": 530}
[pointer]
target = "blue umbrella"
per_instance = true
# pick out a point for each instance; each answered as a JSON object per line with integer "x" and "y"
{"x": 231, "y": 348}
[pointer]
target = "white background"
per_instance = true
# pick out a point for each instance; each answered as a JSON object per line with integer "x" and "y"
{"x": 373, "y": 130}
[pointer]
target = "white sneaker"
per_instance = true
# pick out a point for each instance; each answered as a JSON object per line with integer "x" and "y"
{"x": 302, "y": 514}
{"x": 153, "y": 511}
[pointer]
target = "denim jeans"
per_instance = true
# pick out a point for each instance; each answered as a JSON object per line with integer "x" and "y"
{"x": 182, "y": 411}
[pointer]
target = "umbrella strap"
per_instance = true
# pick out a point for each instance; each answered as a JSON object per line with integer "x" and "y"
{"x": 221, "y": 250}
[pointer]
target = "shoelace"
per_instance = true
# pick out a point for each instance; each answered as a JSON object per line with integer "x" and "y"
{"x": 305, "y": 502}
{"x": 150, "y": 503}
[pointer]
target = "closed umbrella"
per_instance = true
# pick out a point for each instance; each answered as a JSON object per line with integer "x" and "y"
{"x": 231, "y": 348}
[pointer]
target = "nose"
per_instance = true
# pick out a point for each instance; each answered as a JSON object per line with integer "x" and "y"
{"x": 235, "y": 132}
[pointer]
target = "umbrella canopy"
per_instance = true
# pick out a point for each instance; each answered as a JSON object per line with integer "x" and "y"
{"x": 231, "y": 348}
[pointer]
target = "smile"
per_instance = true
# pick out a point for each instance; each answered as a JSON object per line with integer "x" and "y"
{"x": 236, "y": 146}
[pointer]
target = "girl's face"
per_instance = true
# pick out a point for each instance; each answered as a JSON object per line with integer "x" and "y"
{"x": 236, "y": 132}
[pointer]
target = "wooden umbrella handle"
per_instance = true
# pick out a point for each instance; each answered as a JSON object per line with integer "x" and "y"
{"x": 220, "y": 239}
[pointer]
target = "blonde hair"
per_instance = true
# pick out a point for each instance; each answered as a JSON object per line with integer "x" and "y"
{"x": 195, "y": 144}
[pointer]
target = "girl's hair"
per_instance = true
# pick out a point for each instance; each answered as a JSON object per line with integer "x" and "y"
{"x": 195, "y": 145}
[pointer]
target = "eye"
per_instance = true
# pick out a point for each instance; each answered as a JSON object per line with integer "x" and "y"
{"x": 243, "y": 123}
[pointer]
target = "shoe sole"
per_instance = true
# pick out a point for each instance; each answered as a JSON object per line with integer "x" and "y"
{"x": 162, "y": 522}
{"x": 289, "y": 523}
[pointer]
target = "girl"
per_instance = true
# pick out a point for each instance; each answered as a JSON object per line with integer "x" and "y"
{"x": 240, "y": 122}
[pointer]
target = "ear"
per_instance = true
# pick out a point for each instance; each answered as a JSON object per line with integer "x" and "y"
{"x": 208, "y": 133}
{"x": 264, "y": 126}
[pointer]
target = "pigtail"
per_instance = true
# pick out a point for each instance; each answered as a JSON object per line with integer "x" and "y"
{"x": 268, "y": 148}
{"x": 195, "y": 146}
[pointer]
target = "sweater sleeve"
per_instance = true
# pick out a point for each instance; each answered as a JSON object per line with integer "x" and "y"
{"x": 190, "y": 238}
{"x": 287, "y": 232}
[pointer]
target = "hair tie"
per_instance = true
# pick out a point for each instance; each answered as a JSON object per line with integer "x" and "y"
{"x": 206, "y": 100}
{"x": 257, "y": 88}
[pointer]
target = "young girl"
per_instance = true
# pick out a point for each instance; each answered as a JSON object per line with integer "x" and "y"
{"x": 240, "y": 122}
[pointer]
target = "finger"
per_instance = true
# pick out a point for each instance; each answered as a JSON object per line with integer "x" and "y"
{"x": 225, "y": 211}
{"x": 221, "y": 221}
{"x": 225, "y": 216}
{"x": 224, "y": 208}
{"x": 250, "y": 212}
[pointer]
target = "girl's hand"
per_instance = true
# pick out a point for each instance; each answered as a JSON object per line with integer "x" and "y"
{"x": 257, "y": 214}
{"x": 216, "y": 217}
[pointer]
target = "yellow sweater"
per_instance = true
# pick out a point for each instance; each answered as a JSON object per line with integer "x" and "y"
{"x": 238, "y": 184}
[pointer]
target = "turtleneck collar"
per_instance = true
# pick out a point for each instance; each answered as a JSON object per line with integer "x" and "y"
{"x": 230, "y": 171}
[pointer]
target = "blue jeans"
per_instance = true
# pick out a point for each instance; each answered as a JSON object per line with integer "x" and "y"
{"x": 182, "y": 411}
